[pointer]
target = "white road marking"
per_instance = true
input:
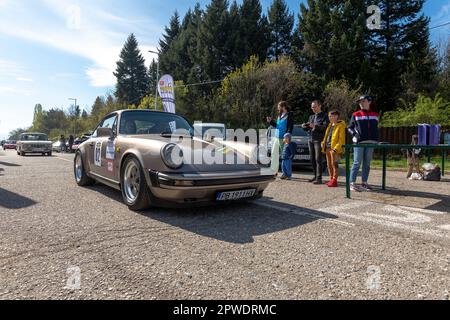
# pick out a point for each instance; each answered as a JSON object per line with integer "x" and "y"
{"x": 305, "y": 214}
{"x": 64, "y": 159}
{"x": 401, "y": 217}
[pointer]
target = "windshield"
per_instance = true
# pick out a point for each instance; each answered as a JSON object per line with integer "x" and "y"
{"x": 33, "y": 137}
{"x": 299, "y": 132}
{"x": 147, "y": 122}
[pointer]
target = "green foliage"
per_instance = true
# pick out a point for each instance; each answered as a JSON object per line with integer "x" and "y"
{"x": 339, "y": 95}
{"x": 426, "y": 110}
{"x": 250, "y": 94}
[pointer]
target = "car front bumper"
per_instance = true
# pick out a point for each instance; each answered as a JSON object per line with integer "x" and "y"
{"x": 202, "y": 188}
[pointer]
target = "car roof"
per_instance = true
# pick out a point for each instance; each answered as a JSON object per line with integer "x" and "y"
{"x": 204, "y": 124}
{"x": 34, "y": 133}
{"x": 138, "y": 110}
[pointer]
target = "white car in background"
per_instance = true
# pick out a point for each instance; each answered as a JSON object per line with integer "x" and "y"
{"x": 210, "y": 131}
{"x": 34, "y": 143}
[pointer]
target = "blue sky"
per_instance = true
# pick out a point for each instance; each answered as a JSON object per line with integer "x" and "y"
{"x": 52, "y": 50}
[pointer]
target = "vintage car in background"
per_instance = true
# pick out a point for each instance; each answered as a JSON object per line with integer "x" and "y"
{"x": 302, "y": 156}
{"x": 209, "y": 131}
{"x": 34, "y": 143}
{"x": 133, "y": 151}
{"x": 10, "y": 145}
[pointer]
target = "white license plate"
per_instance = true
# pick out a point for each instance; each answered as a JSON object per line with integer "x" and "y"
{"x": 302, "y": 157}
{"x": 235, "y": 195}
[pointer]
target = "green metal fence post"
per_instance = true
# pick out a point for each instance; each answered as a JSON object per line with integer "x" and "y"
{"x": 384, "y": 169}
{"x": 347, "y": 170}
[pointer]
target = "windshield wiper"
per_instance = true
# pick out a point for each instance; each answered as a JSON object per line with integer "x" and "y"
{"x": 170, "y": 134}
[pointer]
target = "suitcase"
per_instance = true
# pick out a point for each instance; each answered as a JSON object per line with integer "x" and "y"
{"x": 435, "y": 135}
{"x": 424, "y": 130}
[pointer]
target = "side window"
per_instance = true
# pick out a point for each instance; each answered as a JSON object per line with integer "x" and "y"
{"x": 110, "y": 122}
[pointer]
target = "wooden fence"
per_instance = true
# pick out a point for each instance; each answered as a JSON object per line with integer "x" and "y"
{"x": 400, "y": 135}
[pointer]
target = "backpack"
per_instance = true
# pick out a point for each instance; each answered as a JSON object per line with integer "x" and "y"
{"x": 431, "y": 173}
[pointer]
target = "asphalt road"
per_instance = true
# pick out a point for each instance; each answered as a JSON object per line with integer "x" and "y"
{"x": 60, "y": 241}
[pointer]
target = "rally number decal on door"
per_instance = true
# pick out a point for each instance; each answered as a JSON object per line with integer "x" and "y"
{"x": 98, "y": 154}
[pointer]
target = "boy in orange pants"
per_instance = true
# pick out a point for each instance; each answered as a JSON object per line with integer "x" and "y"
{"x": 332, "y": 145}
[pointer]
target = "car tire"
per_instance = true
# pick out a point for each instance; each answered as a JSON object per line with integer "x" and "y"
{"x": 81, "y": 178}
{"x": 49, "y": 154}
{"x": 22, "y": 153}
{"x": 135, "y": 191}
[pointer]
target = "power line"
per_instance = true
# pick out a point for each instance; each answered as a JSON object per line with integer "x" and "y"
{"x": 441, "y": 25}
{"x": 198, "y": 84}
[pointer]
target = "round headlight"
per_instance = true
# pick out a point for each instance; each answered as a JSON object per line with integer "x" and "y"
{"x": 172, "y": 155}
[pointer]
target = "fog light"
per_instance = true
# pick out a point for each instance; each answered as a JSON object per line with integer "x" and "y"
{"x": 184, "y": 183}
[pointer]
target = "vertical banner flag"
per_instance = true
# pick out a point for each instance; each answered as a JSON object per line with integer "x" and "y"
{"x": 167, "y": 93}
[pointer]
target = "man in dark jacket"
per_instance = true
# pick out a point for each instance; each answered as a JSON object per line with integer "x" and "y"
{"x": 316, "y": 127}
{"x": 71, "y": 141}
{"x": 363, "y": 127}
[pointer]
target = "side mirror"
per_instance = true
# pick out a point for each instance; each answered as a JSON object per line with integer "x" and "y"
{"x": 105, "y": 132}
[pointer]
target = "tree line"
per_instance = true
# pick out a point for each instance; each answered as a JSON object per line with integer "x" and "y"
{"x": 233, "y": 62}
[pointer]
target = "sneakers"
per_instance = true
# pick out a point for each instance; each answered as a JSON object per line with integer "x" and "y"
{"x": 366, "y": 187}
{"x": 332, "y": 184}
{"x": 283, "y": 177}
{"x": 354, "y": 187}
{"x": 312, "y": 180}
{"x": 317, "y": 182}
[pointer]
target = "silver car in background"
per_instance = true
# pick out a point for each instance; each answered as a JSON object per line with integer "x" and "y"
{"x": 36, "y": 143}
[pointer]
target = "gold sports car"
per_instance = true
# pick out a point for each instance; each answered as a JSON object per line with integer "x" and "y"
{"x": 155, "y": 160}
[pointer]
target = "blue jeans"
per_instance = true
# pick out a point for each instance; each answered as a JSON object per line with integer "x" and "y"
{"x": 361, "y": 156}
{"x": 287, "y": 168}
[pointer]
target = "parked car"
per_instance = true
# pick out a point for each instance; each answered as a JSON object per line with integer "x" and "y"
{"x": 56, "y": 146}
{"x": 301, "y": 138}
{"x": 34, "y": 143}
{"x": 131, "y": 150}
{"x": 210, "y": 131}
{"x": 10, "y": 145}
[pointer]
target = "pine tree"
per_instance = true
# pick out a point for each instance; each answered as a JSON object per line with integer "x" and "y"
{"x": 131, "y": 73}
{"x": 332, "y": 35}
{"x": 214, "y": 53}
{"x": 254, "y": 38}
{"x": 281, "y": 23}
{"x": 152, "y": 77}
{"x": 97, "y": 107}
{"x": 403, "y": 43}
{"x": 168, "y": 55}
{"x": 170, "y": 33}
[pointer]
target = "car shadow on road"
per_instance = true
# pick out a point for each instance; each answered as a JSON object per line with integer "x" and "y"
{"x": 11, "y": 200}
{"x": 8, "y": 164}
{"x": 238, "y": 222}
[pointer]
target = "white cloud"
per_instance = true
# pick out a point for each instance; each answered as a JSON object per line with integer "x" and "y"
{"x": 85, "y": 31}
{"x": 24, "y": 79}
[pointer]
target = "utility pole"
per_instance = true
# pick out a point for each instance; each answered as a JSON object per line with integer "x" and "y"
{"x": 156, "y": 80}
{"x": 75, "y": 99}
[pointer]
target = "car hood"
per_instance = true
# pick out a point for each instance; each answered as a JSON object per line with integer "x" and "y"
{"x": 193, "y": 147}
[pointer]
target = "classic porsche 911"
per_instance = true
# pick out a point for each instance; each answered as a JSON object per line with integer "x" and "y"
{"x": 134, "y": 151}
